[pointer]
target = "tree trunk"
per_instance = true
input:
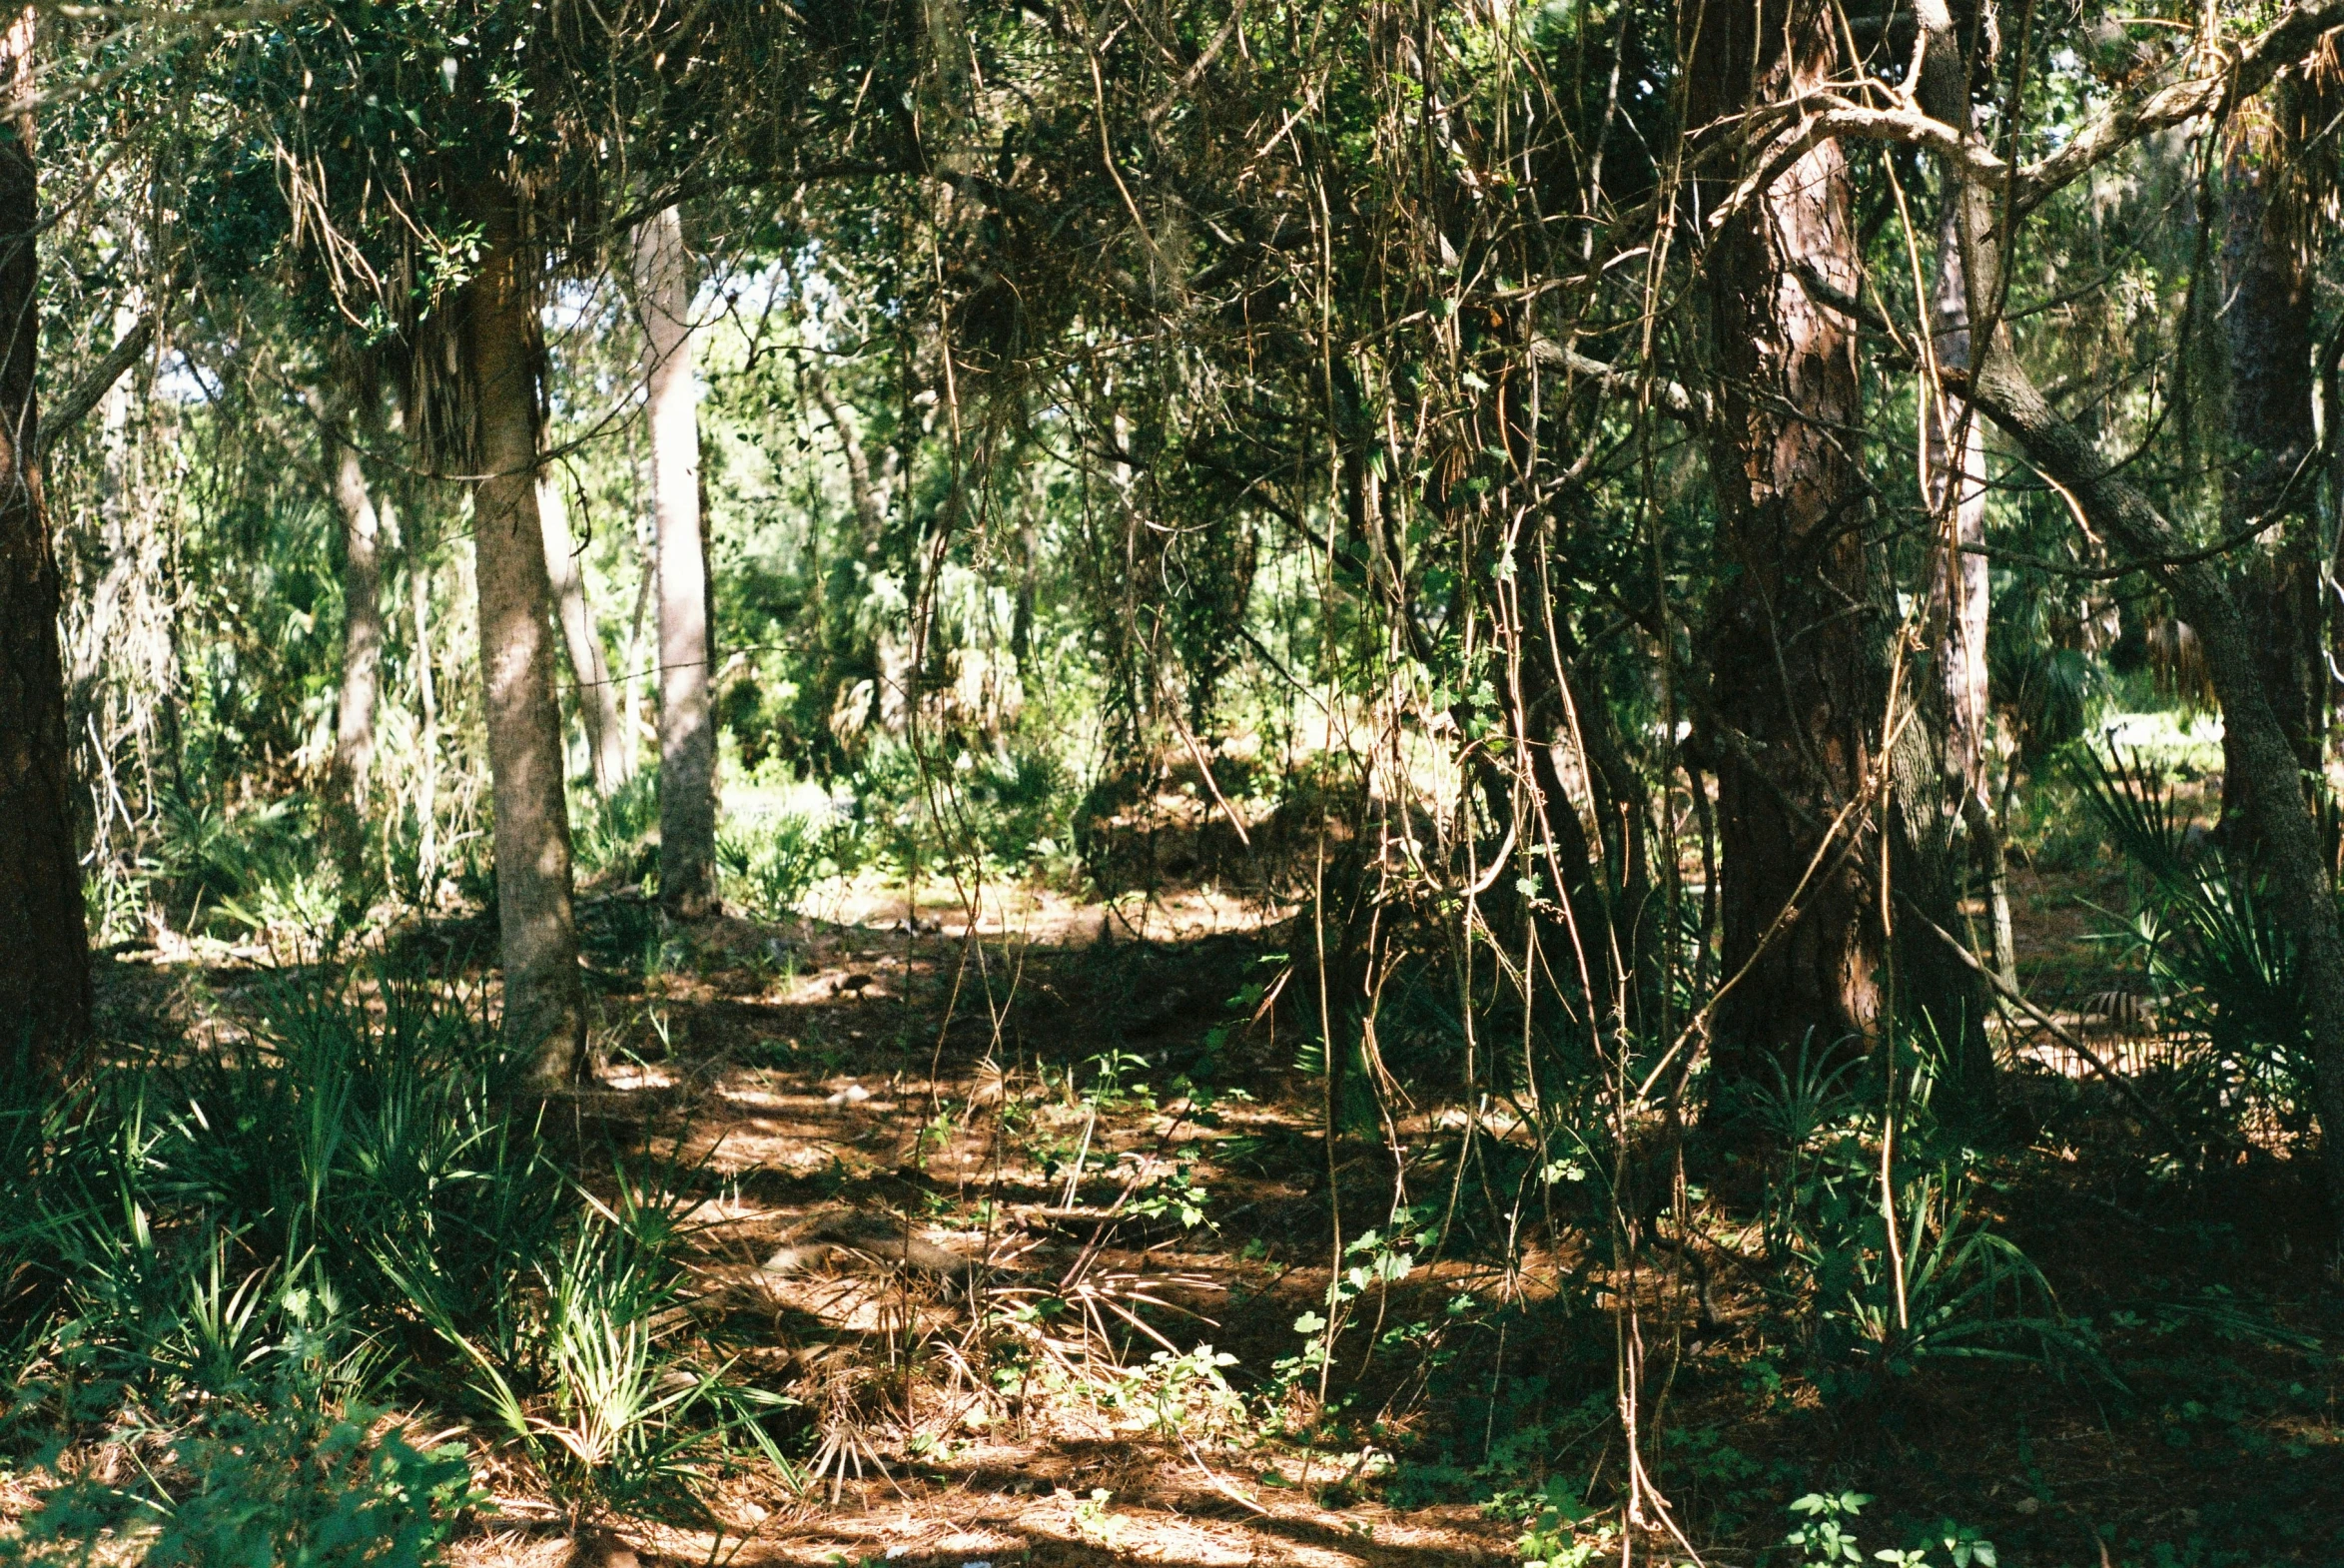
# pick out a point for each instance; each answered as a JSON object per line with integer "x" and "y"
{"x": 687, "y": 730}
{"x": 361, "y": 590}
{"x": 606, "y": 738}
{"x": 418, "y": 584}
{"x": 544, "y": 1007}
{"x": 1962, "y": 586}
{"x": 44, "y": 941}
{"x": 1796, "y": 689}
{"x": 2270, "y": 326}
{"x": 116, "y": 546}
{"x": 1944, "y": 816}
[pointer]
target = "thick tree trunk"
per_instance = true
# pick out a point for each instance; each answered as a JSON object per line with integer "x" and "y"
{"x": 44, "y": 941}
{"x": 361, "y": 592}
{"x": 544, "y": 1007}
{"x": 687, "y": 729}
{"x": 1797, "y": 692}
{"x": 606, "y": 738}
{"x": 2274, "y": 437}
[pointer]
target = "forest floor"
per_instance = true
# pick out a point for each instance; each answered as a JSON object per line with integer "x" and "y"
{"x": 1009, "y": 1095}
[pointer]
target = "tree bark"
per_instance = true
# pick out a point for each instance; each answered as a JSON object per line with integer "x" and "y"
{"x": 606, "y": 738}
{"x": 361, "y": 590}
{"x": 544, "y": 1007}
{"x": 44, "y": 940}
{"x": 2268, "y": 323}
{"x": 687, "y": 730}
{"x": 1947, "y": 818}
{"x": 418, "y": 585}
{"x": 1796, "y": 691}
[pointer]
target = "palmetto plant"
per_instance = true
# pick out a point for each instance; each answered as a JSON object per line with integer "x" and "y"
{"x": 2207, "y": 937}
{"x": 352, "y": 1197}
{"x": 1885, "y": 1287}
{"x": 1810, "y": 1115}
{"x": 1948, "y": 1289}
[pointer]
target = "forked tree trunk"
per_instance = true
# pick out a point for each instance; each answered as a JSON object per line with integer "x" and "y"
{"x": 606, "y": 740}
{"x": 687, "y": 730}
{"x": 544, "y": 1007}
{"x": 1797, "y": 696}
{"x": 44, "y": 941}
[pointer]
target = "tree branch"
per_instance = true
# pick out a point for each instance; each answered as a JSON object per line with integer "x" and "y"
{"x": 1674, "y": 399}
{"x": 70, "y": 410}
{"x": 2287, "y": 42}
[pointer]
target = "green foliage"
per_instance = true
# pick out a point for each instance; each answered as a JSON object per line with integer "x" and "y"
{"x": 279, "y": 1482}
{"x": 2212, "y": 948}
{"x": 356, "y": 1197}
{"x": 255, "y": 870}
{"x": 1826, "y": 1538}
{"x": 1893, "y": 1270}
{"x": 771, "y": 863}
{"x": 976, "y": 812}
{"x": 609, "y": 834}
{"x": 1552, "y": 1539}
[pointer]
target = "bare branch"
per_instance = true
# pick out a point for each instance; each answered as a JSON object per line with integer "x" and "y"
{"x": 1673, "y": 398}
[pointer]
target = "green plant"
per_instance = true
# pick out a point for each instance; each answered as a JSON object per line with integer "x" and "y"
{"x": 1188, "y": 1392}
{"x": 608, "y": 832}
{"x": 283, "y": 1482}
{"x": 1964, "y": 1546}
{"x": 1942, "y": 1288}
{"x": 1823, "y": 1538}
{"x": 2211, "y": 946}
{"x": 353, "y": 1194}
{"x": 588, "y": 1386}
{"x": 1174, "y": 1195}
{"x": 1550, "y": 1536}
{"x": 772, "y": 863}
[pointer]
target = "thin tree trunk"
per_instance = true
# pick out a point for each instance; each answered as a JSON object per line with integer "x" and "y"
{"x": 544, "y": 1007}
{"x": 418, "y": 584}
{"x": 1796, "y": 696}
{"x": 44, "y": 941}
{"x": 1960, "y": 589}
{"x": 868, "y": 491}
{"x": 606, "y": 738}
{"x": 86, "y": 660}
{"x": 361, "y": 590}
{"x": 1960, "y": 602}
{"x": 687, "y": 730}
